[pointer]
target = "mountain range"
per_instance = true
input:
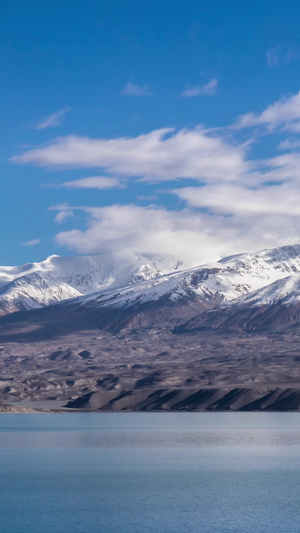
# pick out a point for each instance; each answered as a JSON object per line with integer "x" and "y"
{"x": 247, "y": 292}
{"x": 147, "y": 333}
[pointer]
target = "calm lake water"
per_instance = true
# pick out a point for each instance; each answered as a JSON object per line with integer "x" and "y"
{"x": 152, "y": 472}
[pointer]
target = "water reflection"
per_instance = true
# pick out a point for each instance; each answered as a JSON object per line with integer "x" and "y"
{"x": 162, "y": 430}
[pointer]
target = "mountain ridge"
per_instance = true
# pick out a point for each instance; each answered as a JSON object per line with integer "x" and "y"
{"x": 55, "y": 279}
{"x": 144, "y": 293}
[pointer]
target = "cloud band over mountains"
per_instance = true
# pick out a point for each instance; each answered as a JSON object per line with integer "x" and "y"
{"x": 228, "y": 201}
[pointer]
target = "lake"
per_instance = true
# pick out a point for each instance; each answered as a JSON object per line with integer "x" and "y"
{"x": 150, "y": 472}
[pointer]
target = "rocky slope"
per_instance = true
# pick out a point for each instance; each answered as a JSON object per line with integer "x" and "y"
{"x": 275, "y": 308}
{"x": 189, "y": 399}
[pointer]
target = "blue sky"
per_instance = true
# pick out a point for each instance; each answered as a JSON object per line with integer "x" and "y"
{"x": 149, "y": 127}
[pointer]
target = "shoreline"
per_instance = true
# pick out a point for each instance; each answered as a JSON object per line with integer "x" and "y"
{"x": 272, "y": 398}
{"x": 72, "y": 411}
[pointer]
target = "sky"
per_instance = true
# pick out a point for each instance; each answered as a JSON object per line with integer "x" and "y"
{"x": 149, "y": 127}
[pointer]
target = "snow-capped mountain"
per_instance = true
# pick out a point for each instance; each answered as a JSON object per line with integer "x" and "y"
{"x": 184, "y": 294}
{"x": 36, "y": 285}
{"x": 273, "y": 308}
{"x": 100, "y": 293}
{"x": 229, "y": 279}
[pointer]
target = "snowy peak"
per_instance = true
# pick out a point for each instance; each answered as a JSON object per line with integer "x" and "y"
{"x": 273, "y": 308}
{"x": 201, "y": 288}
{"x": 253, "y": 292}
{"x": 286, "y": 291}
{"x": 57, "y": 278}
{"x": 106, "y": 281}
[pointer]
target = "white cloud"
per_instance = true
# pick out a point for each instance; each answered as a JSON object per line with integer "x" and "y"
{"x": 132, "y": 89}
{"x": 285, "y": 167}
{"x": 284, "y": 113}
{"x": 210, "y": 89}
{"x": 64, "y": 211}
{"x": 195, "y": 237}
{"x": 130, "y": 229}
{"x": 234, "y": 204}
{"x": 93, "y": 182}
{"x": 33, "y": 242}
{"x": 53, "y": 120}
{"x": 281, "y": 54}
{"x": 289, "y": 144}
{"x": 237, "y": 200}
{"x": 272, "y": 56}
{"x": 156, "y": 156}
{"x": 63, "y": 215}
